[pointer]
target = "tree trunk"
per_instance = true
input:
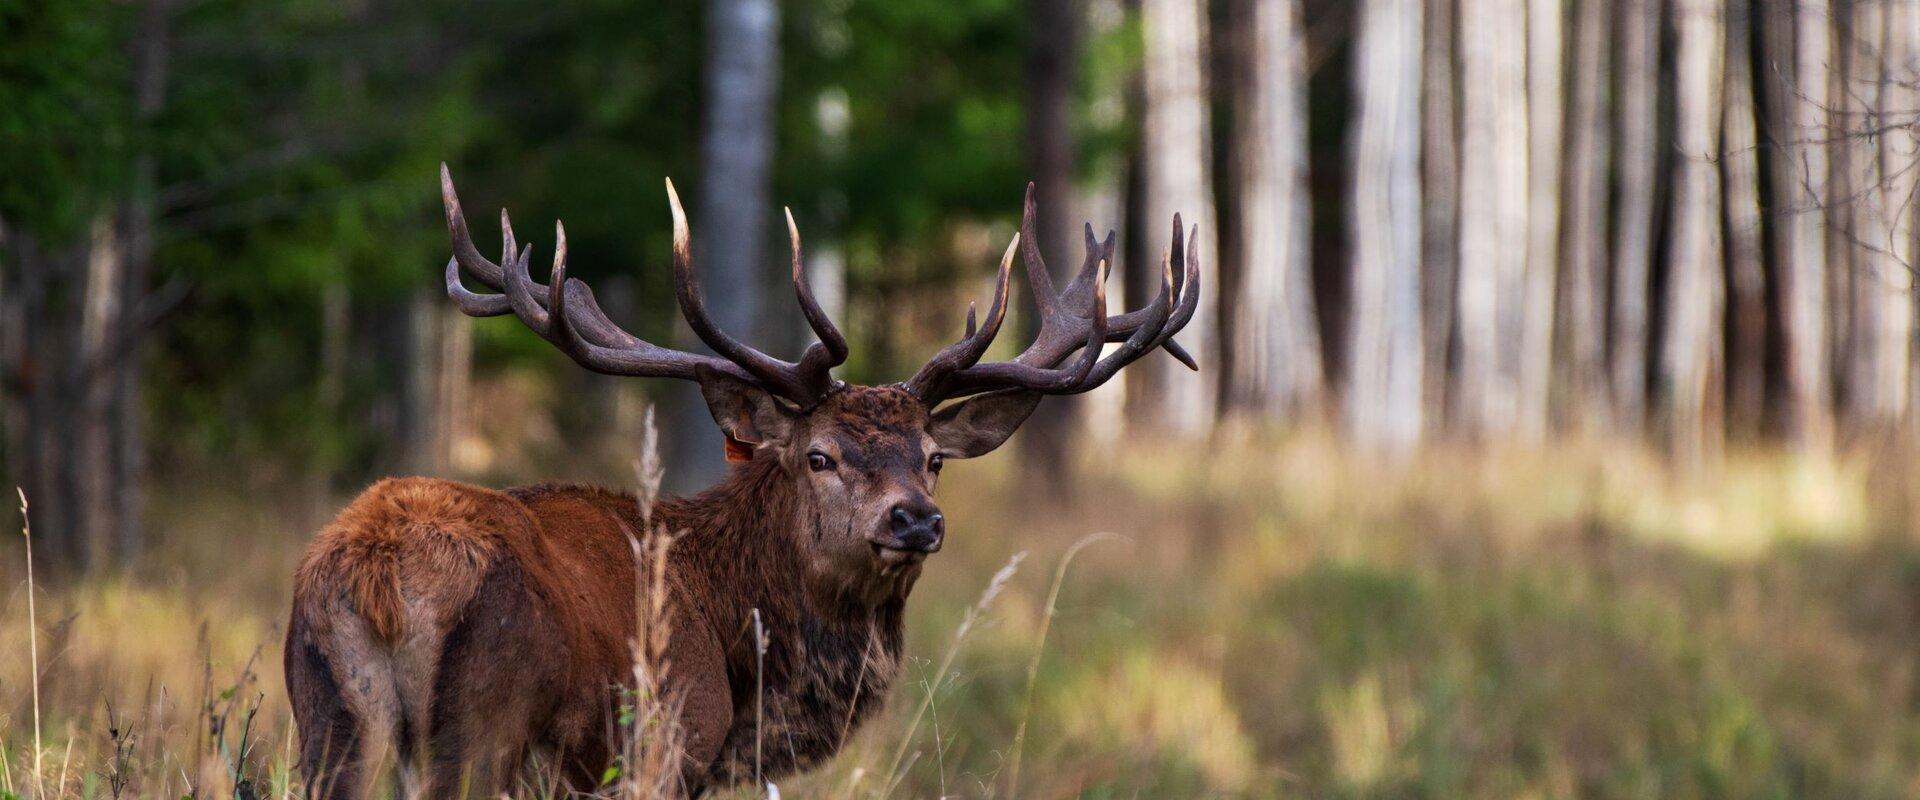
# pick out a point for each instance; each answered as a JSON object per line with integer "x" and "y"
{"x": 42, "y": 344}
{"x": 1801, "y": 186}
{"x": 1691, "y": 358}
{"x": 1276, "y": 369}
{"x": 419, "y": 380}
{"x": 1588, "y": 167}
{"x": 140, "y": 216}
{"x": 1546, "y": 151}
{"x": 1639, "y": 159}
{"x": 1876, "y": 368}
{"x": 736, "y": 154}
{"x": 69, "y": 358}
{"x": 1901, "y": 152}
{"x": 1493, "y": 213}
{"x": 1176, "y": 140}
{"x": 1836, "y": 205}
{"x": 1384, "y": 382}
{"x": 1746, "y": 275}
{"x": 94, "y": 449}
{"x": 1051, "y": 58}
{"x": 1439, "y": 231}
{"x": 1899, "y": 158}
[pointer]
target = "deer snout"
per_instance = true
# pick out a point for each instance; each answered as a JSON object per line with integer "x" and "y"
{"x": 916, "y": 527}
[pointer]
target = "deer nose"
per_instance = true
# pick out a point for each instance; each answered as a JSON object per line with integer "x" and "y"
{"x": 918, "y": 526}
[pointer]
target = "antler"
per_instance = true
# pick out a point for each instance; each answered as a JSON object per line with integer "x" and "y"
{"x": 1075, "y": 318}
{"x": 565, "y": 313}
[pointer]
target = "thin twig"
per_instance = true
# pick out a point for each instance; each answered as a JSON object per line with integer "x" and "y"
{"x": 33, "y": 637}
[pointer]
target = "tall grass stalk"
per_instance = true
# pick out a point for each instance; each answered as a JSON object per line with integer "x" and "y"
{"x": 33, "y": 638}
{"x": 994, "y": 587}
{"x": 652, "y": 758}
{"x": 1040, "y": 649}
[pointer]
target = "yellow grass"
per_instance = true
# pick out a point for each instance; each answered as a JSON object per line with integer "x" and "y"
{"x": 1275, "y": 617}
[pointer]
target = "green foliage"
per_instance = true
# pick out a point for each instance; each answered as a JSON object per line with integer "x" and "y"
{"x": 65, "y": 120}
{"x": 297, "y": 143}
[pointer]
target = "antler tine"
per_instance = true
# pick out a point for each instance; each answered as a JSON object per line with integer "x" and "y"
{"x": 818, "y": 360}
{"x": 1189, "y": 289}
{"x": 468, "y": 256}
{"x": 802, "y": 385}
{"x": 1038, "y": 278}
{"x": 1143, "y": 339}
{"x": 521, "y": 289}
{"x": 470, "y": 303}
{"x": 930, "y": 380}
{"x": 1070, "y": 318}
{"x": 564, "y": 312}
{"x": 1046, "y": 380}
{"x": 817, "y": 319}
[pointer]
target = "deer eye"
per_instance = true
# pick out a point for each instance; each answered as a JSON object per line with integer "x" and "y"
{"x": 934, "y": 462}
{"x": 819, "y": 462}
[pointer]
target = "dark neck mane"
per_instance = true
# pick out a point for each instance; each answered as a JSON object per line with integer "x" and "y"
{"x": 830, "y": 656}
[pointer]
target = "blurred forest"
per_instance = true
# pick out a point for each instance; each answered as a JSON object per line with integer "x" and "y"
{"x": 1560, "y": 364}
{"x": 1684, "y": 220}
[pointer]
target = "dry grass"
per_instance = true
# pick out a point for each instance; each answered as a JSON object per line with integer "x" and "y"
{"x": 1276, "y": 617}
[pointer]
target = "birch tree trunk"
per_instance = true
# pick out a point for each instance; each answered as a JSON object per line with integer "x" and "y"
{"x": 1176, "y": 142}
{"x": 1691, "y": 358}
{"x": 1493, "y": 212}
{"x": 1589, "y": 152}
{"x": 1876, "y": 384}
{"x": 1439, "y": 231}
{"x": 1639, "y": 160}
{"x": 1803, "y": 250}
{"x": 1900, "y": 158}
{"x": 736, "y": 155}
{"x": 94, "y": 449}
{"x": 1276, "y": 354}
{"x": 1546, "y": 149}
{"x": 1384, "y": 383}
{"x": 1746, "y": 275}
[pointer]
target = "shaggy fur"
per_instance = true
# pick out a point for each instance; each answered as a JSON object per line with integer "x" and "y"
{"x": 456, "y": 629}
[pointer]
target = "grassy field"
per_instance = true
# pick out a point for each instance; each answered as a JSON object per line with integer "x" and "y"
{"x": 1272, "y": 618}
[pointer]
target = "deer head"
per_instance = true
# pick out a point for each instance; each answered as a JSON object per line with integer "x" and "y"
{"x": 861, "y": 461}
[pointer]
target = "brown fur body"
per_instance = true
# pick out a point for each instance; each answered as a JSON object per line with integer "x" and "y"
{"x": 457, "y": 629}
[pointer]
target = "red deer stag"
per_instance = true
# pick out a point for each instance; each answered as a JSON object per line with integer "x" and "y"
{"x": 457, "y": 630}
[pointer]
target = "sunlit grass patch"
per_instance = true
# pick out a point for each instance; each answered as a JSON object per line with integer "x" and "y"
{"x": 1272, "y": 617}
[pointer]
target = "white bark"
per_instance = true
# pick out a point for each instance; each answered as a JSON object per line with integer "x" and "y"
{"x": 1276, "y": 359}
{"x": 1900, "y": 159}
{"x": 733, "y": 210}
{"x": 1175, "y": 140}
{"x": 1690, "y": 361}
{"x": 1876, "y": 385}
{"x": 1546, "y": 149}
{"x": 1803, "y": 270}
{"x": 1384, "y": 382}
{"x": 1493, "y": 212}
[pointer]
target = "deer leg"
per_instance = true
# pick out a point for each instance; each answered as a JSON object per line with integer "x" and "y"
{"x": 331, "y": 741}
{"x": 497, "y": 677}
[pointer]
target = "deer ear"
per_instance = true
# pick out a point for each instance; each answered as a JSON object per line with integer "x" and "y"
{"x": 978, "y": 424}
{"x": 746, "y": 413}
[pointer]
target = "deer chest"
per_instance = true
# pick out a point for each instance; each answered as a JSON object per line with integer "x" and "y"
{"x": 817, "y": 687}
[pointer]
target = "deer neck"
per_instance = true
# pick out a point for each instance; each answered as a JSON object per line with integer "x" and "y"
{"x": 751, "y": 528}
